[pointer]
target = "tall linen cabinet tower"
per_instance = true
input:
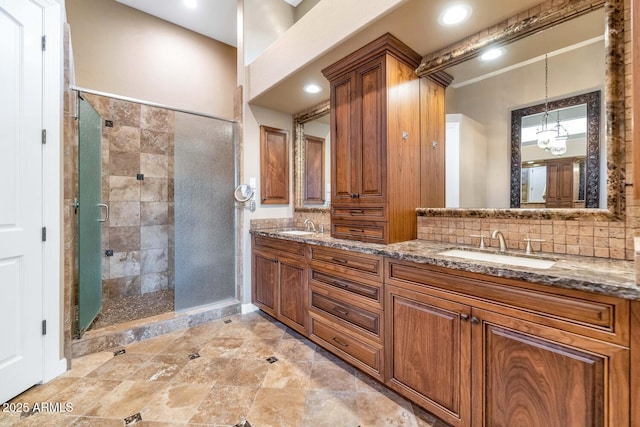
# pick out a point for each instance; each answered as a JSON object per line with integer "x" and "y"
{"x": 375, "y": 142}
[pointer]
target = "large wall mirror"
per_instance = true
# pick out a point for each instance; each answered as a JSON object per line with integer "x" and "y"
{"x": 563, "y": 56}
{"x": 312, "y": 159}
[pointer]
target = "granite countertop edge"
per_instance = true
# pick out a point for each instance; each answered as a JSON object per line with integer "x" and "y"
{"x": 602, "y": 276}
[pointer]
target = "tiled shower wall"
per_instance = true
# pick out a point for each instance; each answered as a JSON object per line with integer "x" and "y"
{"x": 137, "y": 184}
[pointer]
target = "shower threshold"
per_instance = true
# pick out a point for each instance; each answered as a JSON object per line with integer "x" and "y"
{"x": 122, "y": 334}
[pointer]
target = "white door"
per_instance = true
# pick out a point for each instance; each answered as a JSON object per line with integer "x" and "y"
{"x": 21, "y": 213}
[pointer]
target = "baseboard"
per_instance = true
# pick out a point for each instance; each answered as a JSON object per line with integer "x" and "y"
{"x": 248, "y": 308}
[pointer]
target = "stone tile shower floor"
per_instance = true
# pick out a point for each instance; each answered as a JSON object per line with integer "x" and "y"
{"x": 126, "y": 308}
{"x": 217, "y": 374}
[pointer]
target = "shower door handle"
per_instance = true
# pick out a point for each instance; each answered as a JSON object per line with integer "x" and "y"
{"x": 106, "y": 208}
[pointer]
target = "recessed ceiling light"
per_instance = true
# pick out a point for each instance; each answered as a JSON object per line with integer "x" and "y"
{"x": 312, "y": 88}
{"x": 492, "y": 54}
{"x": 455, "y": 14}
{"x": 191, "y": 4}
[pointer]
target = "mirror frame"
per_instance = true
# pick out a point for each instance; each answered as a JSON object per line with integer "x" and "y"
{"x": 299, "y": 119}
{"x": 592, "y": 159}
{"x": 546, "y": 15}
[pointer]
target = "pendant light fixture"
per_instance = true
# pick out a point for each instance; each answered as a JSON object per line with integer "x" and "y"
{"x": 545, "y": 134}
{"x": 558, "y": 146}
{"x": 551, "y": 139}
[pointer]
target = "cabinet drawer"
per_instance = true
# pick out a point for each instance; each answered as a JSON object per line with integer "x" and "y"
{"x": 365, "y": 319}
{"x": 365, "y": 231}
{"x": 286, "y": 246}
{"x": 363, "y": 265}
{"x": 596, "y": 316}
{"x": 371, "y": 213}
{"x": 343, "y": 343}
{"x": 367, "y": 291}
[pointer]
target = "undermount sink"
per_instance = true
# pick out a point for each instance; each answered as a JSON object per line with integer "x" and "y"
{"x": 498, "y": 258}
{"x": 297, "y": 232}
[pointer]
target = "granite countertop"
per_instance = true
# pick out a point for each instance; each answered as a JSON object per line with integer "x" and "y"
{"x": 599, "y": 275}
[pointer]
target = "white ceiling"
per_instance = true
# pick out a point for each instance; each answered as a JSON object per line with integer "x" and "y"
{"x": 414, "y": 22}
{"x": 213, "y": 18}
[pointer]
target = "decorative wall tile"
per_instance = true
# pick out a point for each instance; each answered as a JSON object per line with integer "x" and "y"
{"x": 154, "y": 165}
{"x": 124, "y": 214}
{"x": 153, "y": 237}
{"x": 124, "y": 138}
{"x": 121, "y": 286}
{"x": 123, "y": 264}
{"x": 124, "y": 113}
{"x": 153, "y": 282}
{"x": 124, "y": 239}
{"x": 154, "y": 213}
{"x": 154, "y": 190}
{"x": 154, "y": 260}
{"x": 124, "y": 163}
{"x": 158, "y": 119}
{"x": 124, "y": 189}
{"x": 154, "y": 142}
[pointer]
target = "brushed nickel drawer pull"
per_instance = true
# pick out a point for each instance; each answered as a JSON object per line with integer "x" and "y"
{"x": 340, "y": 311}
{"x": 340, "y": 260}
{"x": 354, "y": 230}
{"x": 359, "y": 212}
{"x": 340, "y": 342}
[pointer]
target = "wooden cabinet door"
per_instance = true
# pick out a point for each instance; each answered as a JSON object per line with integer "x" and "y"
{"x": 371, "y": 113}
{"x": 344, "y": 150}
{"x": 264, "y": 281}
{"x": 274, "y": 166}
{"x": 528, "y": 375}
{"x": 293, "y": 294}
{"x": 427, "y": 352}
{"x": 559, "y": 183}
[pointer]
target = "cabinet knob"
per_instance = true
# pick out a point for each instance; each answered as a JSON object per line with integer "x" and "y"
{"x": 475, "y": 320}
{"x": 464, "y": 317}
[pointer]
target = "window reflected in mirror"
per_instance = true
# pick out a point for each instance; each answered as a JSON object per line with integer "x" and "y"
{"x": 553, "y": 164}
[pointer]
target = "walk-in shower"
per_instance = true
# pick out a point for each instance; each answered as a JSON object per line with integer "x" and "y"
{"x": 156, "y": 220}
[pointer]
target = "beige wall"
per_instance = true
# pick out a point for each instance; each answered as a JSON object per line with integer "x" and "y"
{"x": 264, "y": 22}
{"x": 120, "y": 50}
{"x": 490, "y": 102}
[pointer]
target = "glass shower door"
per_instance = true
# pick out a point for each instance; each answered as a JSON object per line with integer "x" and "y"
{"x": 204, "y": 176}
{"x": 90, "y": 213}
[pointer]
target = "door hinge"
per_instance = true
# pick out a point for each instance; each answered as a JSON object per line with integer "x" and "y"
{"x": 44, "y": 42}
{"x": 44, "y": 234}
{"x": 44, "y": 136}
{"x": 44, "y": 327}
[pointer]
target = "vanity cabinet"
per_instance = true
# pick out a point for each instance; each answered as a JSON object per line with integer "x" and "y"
{"x": 375, "y": 142}
{"x": 345, "y": 307}
{"x": 279, "y": 280}
{"x": 504, "y": 352}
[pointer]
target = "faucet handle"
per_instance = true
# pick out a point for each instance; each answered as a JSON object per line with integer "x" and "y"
{"x": 528, "y": 250}
{"x": 481, "y": 236}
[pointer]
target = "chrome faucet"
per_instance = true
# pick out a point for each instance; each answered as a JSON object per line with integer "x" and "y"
{"x": 497, "y": 234}
{"x": 310, "y": 225}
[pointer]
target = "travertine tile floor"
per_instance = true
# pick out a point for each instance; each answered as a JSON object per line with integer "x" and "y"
{"x": 230, "y": 384}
